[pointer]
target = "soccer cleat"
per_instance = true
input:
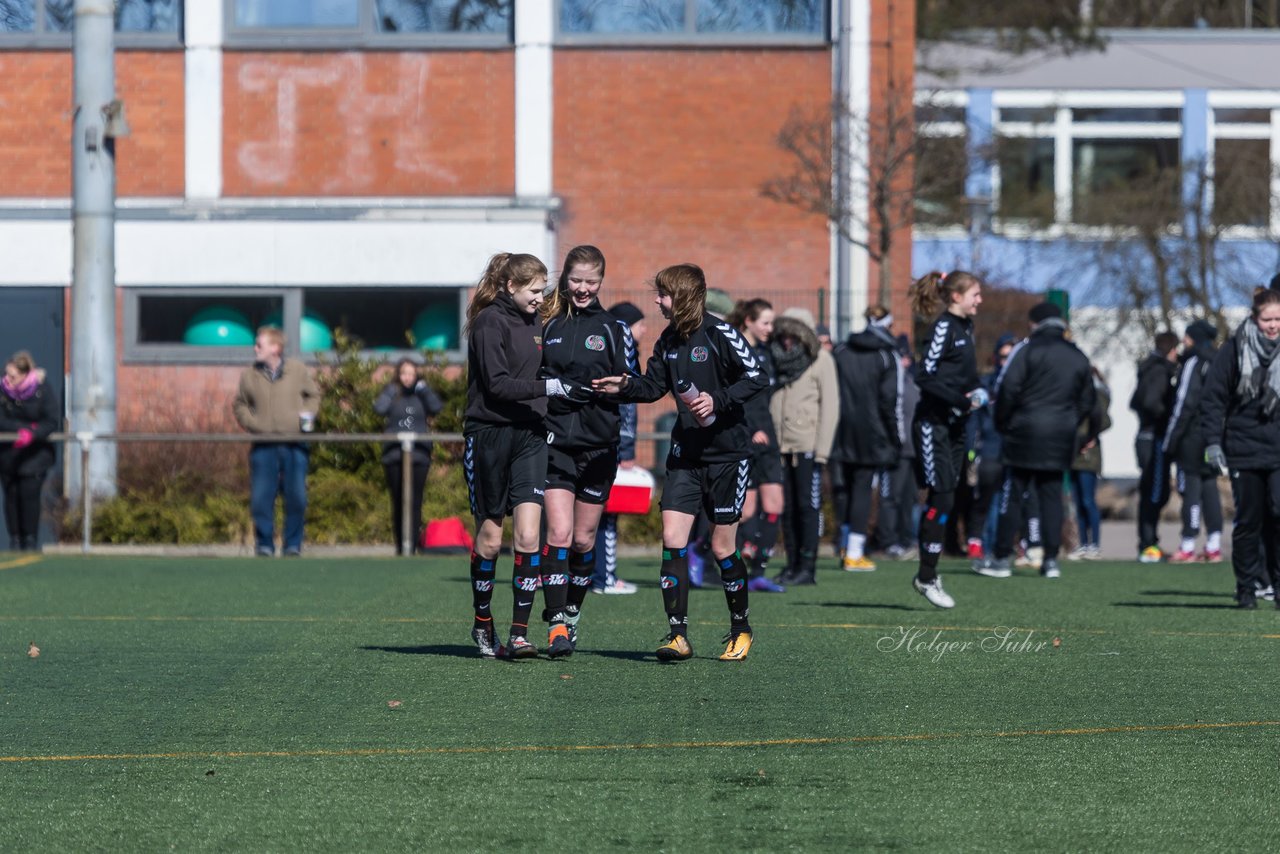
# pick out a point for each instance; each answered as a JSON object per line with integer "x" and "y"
{"x": 1183, "y": 557}
{"x": 1151, "y": 554}
{"x": 559, "y": 643}
{"x": 571, "y": 623}
{"x": 518, "y": 647}
{"x": 1050, "y": 569}
{"x": 486, "y": 641}
{"x": 1214, "y": 556}
{"x": 992, "y": 568}
{"x": 763, "y": 584}
{"x": 739, "y": 646}
{"x": 975, "y": 550}
{"x": 674, "y": 648}
{"x": 933, "y": 592}
{"x": 858, "y": 564}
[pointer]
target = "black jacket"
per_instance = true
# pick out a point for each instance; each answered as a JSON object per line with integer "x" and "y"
{"x": 1183, "y": 439}
{"x": 39, "y": 414}
{"x": 581, "y": 346}
{"x": 870, "y": 401}
{"x": 1249, "y": 437}
{"x": 1152, "y": 397}
{"x": 948, "y": 370}
{"x": 756, "y": 409}
{"x": 718, "y": 361}
{"x": 407, "y": 410}
{"x": 1044, "y": 392}
{"x": 504, "y": 360}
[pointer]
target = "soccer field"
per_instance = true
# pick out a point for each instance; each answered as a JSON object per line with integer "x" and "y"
{"x": 337, "y": 704}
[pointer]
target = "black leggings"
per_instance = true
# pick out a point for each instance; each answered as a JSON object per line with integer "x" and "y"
{"x": 395, "y": 485}
{"x": 1200, "y": 501}
{"x": 1254, "y": 537}
{"x": 1046, "y": 488}
{"x": 802, "y": 504}
{"x": 858, "y": 484}
{"x": 22, "y": 509}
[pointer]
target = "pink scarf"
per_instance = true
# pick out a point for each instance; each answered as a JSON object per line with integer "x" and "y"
{"x": 23, "y": 390}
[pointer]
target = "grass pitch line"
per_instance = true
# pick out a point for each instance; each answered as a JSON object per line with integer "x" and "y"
{"x": 21, "y": 561}
{"x": 673, "y": 745}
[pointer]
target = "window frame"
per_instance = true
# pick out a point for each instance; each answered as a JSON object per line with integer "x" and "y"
{"x": 364, "y": 35}
{"x": 690, "y": 36}
{"x": 292, "y": 308}
{"x": 42, "y": 38}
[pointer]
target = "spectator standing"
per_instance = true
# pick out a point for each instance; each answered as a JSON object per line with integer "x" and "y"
{"x": 27, "y": 408}
{"x": 1087, "y": 468}
{"x": 276, "y": 396}
{"x": 1240, "y": 419}
{"x": 407, "y": 405}
{"x": 896, "y": 523}
{"x": 805, "y": 409}
{"x": 1152, "y": 400}
{"x": 867, "y": 439}
{"x": 1184, "y": 445}
{"x": 1043, "y": 394}
{"x": 986, "y": 469}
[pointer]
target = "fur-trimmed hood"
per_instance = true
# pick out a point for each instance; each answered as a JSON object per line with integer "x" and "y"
{"x": 798, "y": 329}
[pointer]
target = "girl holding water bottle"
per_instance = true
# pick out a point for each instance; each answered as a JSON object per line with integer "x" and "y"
{"x": 708, "y": 366}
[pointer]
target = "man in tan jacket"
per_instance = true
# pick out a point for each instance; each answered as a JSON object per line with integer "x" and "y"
{"x": 805, "y": 409}
{"x": 276, "y": 396}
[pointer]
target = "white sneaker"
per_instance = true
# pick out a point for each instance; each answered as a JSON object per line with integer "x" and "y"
{"x": 933, "y": 592}
{"x": 619, "y": 587}
{"x": 1267, "y": 593}
{"x": 1033, "y": 557}
{"x": 992, "y": 568}
{"x": 1081, "y": 553}
{"x": 1050, "y": 569}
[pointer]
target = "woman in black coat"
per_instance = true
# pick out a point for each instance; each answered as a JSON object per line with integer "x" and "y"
{"x": 407, "y": 404}
{"x": 27, "y": 408}
{"x": 1240, "y": 419}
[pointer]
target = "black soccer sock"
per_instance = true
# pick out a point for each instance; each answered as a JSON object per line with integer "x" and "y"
{"x": 582, "y": 569}
{"x": 933, "y": 529}
{"x": 766, "y": 538}
{"x": 482, "y": 573}
{"x": 555, "y": 583}
{"x": 675, "y": 588}
{"x": 733, "y": 575}
{"x": 524, "y": 587}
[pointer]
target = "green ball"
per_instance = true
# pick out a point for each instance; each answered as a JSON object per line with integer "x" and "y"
{"x": 436, "y": 327}
{"x": 218, "y": 326}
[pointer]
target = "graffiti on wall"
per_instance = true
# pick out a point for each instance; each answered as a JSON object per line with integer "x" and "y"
{"x": 273, "y": 158}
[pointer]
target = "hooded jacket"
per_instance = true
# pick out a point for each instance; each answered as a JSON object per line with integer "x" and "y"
{"x": 407, "y": 410}
{"x": 581, "y": 346}
{"x": 806, "y": 408}
{"x": 504, "y": 357}
{"x": 870, "y": 400}
{"x": 1044, "y": 392}
{"x": 717, "y": 360}
{"x": 1184, "y": 438}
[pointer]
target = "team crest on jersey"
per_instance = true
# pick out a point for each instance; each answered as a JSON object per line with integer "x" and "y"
{"x": 595, "y": 342}
{"x": 698, "y": 354}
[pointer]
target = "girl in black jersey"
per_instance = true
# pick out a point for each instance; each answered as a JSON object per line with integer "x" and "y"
{"x": 581, "y": 341}
{"x": 505, "y": 457}
{"x": 949, "y": 390}
{"x": 712, "y": 374}
{"x": 762, "y": 510}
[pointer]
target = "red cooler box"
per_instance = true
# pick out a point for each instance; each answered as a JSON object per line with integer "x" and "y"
{"x": 632, "y": 491}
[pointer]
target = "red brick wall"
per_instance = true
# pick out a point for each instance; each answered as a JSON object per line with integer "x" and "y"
{"x": 35, "y": 137}
{"x": 387, "y": 124}
{"x": 660, "y": 156}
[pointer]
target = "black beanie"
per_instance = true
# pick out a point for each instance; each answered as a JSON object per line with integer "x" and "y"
{"x": 627, "y": 312}
{"x": 1202, "y": 332}
{"x": 1044, "y": 311}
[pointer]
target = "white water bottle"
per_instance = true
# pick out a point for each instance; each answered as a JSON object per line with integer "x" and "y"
{"x": 689, "y": 393}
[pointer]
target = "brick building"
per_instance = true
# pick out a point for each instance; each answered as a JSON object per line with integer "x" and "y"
{"x": 353, "y": 163}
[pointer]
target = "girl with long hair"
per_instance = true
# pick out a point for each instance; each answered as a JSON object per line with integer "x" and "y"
{"x": 506, "y": 404}
{"x": 949, "y": 390}
{"x": 27, "y": 408}
{"x": 712, "y": 374}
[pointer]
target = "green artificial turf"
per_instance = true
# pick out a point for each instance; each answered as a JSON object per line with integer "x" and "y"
{"x": 244, "y": 704}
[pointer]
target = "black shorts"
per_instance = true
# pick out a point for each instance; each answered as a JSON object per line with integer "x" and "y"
{"x": 588, "y": 473}
{"x": 505, "y": 465}
{"x": 940, "y": 452}
{"x": 766, "y": 466}
{"x": 717, "y": 488}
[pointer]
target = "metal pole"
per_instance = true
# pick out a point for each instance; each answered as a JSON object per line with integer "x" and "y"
{"x": 407, "y": 536}
{"x": 86, "y": 497}
{"x": 93, "y": 300}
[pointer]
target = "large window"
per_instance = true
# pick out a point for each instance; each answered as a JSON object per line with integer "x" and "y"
{"x": 357, "y": 21}
{"x": 218, "y": 325}
{"x": 694, "y": 18}
{"x": 1242, "y": 180}
{"x": 1116, "y": 178}
{"x": 1026, "y": 178}
{"x": 26, "y": 21}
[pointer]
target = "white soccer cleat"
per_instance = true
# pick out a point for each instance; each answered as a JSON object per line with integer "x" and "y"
{"x": 933, "y": 592}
